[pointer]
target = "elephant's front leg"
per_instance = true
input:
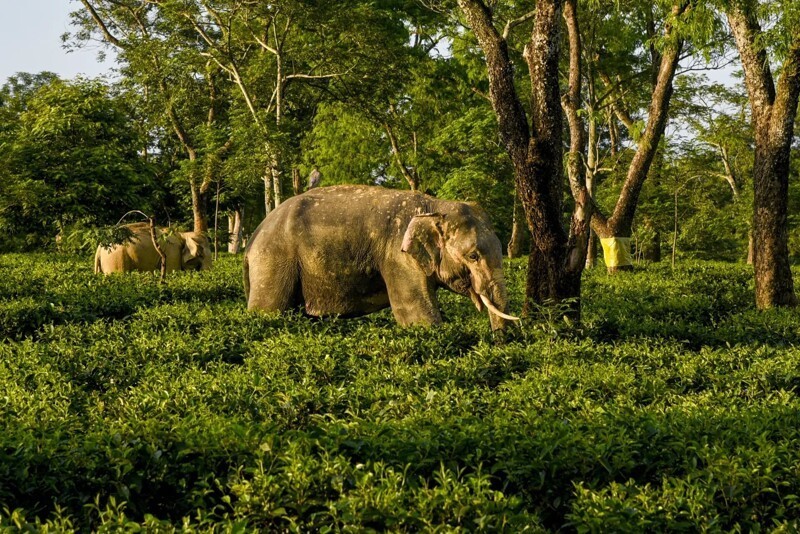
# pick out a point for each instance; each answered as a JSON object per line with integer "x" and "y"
{"x": 413, "y": 299}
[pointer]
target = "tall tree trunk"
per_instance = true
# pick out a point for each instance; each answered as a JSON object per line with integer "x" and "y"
{"x": 216, "y": 223}
{"x": 535, "y": 150}
{"x": 267, "y": 192}
{"x": 613, "y": 135}
{"x": 591, "y": 248}
{"x": 773, "y": 112}
{"x": 276, "y": 185}
{"x": 235, "y": 231}
{"x": 592, "y": 150}
{"x": 773, "y": 276}
{"x": 517, "y": 240}
{"x": 591, "y": 251}
{"x": 199, "y": 202}
{"x": 548, "y": 279}
{"x": 580, "y": 230}
{"x": 615, "y": 231}
{"x": 729, "y": 175}
{"x": 199, "y": 199}
{"x": 297, "y": 184}
{"x": 275, "y": 157}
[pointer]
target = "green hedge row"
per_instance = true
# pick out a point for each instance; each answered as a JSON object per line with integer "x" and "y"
{"x": 129, "y": 404}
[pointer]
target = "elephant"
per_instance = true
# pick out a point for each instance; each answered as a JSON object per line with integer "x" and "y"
{"x": 353, "y": 250}
{"x": 184, "y": 251}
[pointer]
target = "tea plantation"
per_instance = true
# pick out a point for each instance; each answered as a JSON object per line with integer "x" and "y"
{"x": 127, "y": 404}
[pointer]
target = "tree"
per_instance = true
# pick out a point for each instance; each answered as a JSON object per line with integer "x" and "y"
{"x": 615, "y": 229}
{"x": 557, "y": 256}
{"x": 716, "y": 146}
{"x": 179, "y": 85}
{"x": 272, "y": 51}
{"x": 444, "y": 130}
{"x": 773, "y": 110}
{"x": 69, "y": 155}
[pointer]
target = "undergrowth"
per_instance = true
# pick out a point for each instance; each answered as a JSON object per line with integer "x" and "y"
{"x": 127, "y": 404}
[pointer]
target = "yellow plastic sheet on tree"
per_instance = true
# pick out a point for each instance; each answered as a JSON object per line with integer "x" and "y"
{"x": 617, "y": 251}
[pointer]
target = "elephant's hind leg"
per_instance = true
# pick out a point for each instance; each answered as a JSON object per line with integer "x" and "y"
{"x": 274, "y": 286}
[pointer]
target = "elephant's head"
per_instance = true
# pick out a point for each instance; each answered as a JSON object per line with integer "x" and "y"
{"x": 461, "y": 250}
{"x": 195, "y": 252}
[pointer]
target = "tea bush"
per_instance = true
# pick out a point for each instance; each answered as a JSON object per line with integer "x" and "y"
{"x": 128, "y": 404}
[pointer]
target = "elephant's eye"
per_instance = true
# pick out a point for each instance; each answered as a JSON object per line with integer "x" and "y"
{"x": 473, "y": 256}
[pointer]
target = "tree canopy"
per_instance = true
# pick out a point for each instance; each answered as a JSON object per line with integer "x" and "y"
{"x": 224, "y": 107}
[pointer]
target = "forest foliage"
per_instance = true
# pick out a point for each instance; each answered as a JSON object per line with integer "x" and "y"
{"x": 391, "y": 92}
{"x": 129, "y": 403}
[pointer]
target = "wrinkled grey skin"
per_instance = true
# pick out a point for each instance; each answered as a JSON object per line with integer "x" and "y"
{"x": 184, "y": 251}
{"x": 354, "y": 250}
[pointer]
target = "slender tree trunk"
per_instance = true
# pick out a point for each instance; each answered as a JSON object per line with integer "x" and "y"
{"x": 615, "y": 231}
{"x": 275, "y": 168}
{"x": 267, "y": 192}
{"x": 674, "y": 227}
{"x": 517, "y": 240}
{"x": 276, "y": 185}
{"x": 591, "y": 170}
{"x": 297, "y": 184}
{"x": 199, "y": 208}
{"x": 591, "y": 249}
{"x": 216, "y": 224}
{"x": 613, "y": 135}
{"x": 773, "y": 112}
{"x": 580, "y": 230}
{"x": 535, "y": 150}
{"x": 730, "y": 174}
{"x": 235, "y": 231}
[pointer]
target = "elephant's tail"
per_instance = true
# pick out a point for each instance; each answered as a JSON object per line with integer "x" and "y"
{"x": 97, "y": 267}
{"x": 246, "y": 277}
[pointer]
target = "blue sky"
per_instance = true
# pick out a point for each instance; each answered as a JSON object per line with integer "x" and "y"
{"x": 30, "y": 40}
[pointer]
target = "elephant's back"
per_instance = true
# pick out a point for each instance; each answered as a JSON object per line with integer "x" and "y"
{"x": 114, "y": 260}
{"x": 136, "y": 255}
{"x": 351, "y": 212}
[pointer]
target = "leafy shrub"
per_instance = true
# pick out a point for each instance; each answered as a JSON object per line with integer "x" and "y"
{"x": 129, "y": 404}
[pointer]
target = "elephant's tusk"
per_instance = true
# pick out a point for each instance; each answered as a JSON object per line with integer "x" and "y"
{"x": 494, "y": 310}
{"x": 475, "y": 300}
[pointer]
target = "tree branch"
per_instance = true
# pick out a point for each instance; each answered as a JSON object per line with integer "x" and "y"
{"x": 757, "y": 75}
{"x": 511, "y": 24}
{"x": 578, "y": 240}
{"x": 102, "y": 25}
{"x": 410, "y": 177}
{"x": 511, "y": 117}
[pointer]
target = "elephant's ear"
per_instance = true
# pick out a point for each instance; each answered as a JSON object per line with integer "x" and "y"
{"x": 424, "y": 240}
{"x": 192, "y": 250}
